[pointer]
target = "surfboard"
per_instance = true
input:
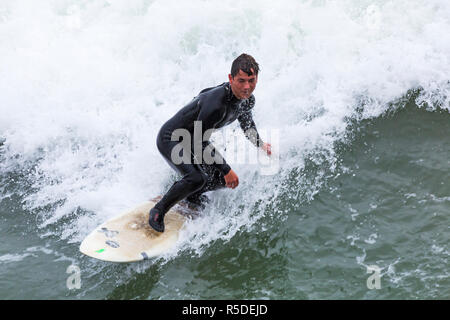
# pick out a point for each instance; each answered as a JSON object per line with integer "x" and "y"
{"x": 128, "y": 237}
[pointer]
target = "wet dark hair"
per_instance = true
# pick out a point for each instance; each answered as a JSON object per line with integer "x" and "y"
{"x": 245, "y": 63}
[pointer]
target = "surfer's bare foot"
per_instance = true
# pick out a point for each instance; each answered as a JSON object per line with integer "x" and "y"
{"x": 156, "y": 220}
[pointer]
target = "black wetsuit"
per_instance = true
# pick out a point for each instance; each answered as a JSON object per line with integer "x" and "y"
{"x": 215, "y": 107}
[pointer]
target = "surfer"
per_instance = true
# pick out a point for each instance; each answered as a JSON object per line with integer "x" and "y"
{"x": 213, "y": 108}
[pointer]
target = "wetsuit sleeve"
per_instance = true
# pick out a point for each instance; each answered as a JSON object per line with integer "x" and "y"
{"x": 211, "y": 113}
{"x": 247, "y": 124}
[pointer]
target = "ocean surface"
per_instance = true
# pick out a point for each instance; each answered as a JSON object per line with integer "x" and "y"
{"x": 354, "y": 97}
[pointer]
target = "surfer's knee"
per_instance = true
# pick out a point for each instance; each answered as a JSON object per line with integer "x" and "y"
{"x": 197, "y": 180}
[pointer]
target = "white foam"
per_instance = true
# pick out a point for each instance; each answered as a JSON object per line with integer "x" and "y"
{"x": 7, "y": 258}
{"x": 29, "y": 252}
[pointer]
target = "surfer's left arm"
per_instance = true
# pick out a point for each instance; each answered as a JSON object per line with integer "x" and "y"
{"x": 249, "y": 127}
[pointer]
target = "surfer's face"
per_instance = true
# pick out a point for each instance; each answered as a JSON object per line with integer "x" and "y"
{"x": 242, "y": 84}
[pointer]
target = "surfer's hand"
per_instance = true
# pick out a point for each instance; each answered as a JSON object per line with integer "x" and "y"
{"x": 231, "y": 179}
{"x": 267, "y": 147}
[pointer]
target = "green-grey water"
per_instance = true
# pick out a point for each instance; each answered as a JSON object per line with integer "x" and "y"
{"x": 387, "y": 205}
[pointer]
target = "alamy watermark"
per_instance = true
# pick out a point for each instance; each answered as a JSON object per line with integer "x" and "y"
{"x": 74, "y": 280}
{"x": 196, "y": 149}
{"x": 374, "y": 281}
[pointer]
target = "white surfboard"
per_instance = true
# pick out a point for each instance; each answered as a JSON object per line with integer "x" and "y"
{"x": 128, "y": 237}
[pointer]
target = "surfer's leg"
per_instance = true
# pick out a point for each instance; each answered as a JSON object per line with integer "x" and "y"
{"x": 189, "y": 184}
{"x": 193, "y": 180}
{"x": 215, "y": 180}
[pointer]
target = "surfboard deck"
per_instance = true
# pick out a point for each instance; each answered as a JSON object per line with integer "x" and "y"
{"x": 128, "y": 237}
